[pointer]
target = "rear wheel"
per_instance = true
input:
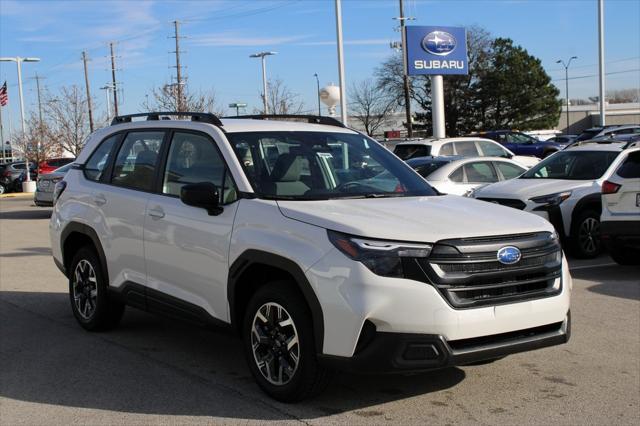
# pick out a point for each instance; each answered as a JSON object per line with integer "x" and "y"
{"x": 279, "y": 345}
{"x": 624, "y": 256}
{"x": 2, "y": 189}
{"x": 90, "y": 301}
{"x": 585, "y": 235}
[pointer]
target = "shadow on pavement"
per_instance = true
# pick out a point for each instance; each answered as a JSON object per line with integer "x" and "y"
{"x": 29, "y": 251}
{"x": 621, "y": 281}
{"x": 151, "y": 365}
{"x": 26, "y": 214}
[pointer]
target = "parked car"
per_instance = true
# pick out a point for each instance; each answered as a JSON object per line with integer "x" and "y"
{"x": 522, "y": 144}
{"x": 51, "y": 164}
{"x": 459, "y": 176}
{"x": 563, "y": 139}
{"x": 46, "y": 183}
{"x": 608, "y": 131}
{"x": 564, "y": 189}
{"x": 464, "y": 147}
{"x": 253, "y": 224}
{"x": 620, "y": 219}
{"x": 10, "y": 174}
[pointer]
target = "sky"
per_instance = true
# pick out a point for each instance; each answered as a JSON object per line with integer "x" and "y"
{"x": 220, "y": 35}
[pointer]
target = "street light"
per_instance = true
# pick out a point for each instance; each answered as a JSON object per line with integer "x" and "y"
{"x": 237, "y": 106}
{"x": 318, "y": 93}
{"x": 262, "y": 56}
{"x": 26, "y": 186}
{"x": 566, "y": 81}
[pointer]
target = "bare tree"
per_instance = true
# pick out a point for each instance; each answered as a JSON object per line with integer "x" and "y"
{"x": 623, "y": 96}
{"x": 164, "y": 99}
{"x": 281, "y": 100}
{"x": 370, "y": 106}
{"x": 38, "y": 143}
{"x": 68, "y": 119}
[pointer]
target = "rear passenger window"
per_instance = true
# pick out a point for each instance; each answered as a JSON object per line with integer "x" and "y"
{"x": 480, "y": 172}
{"x": 194, "y": 158}
{"x": 508, "y": 170}
{"x": 466, "y": 149}
{"x": 446, "y": 149}
{"x": 96, "y": 164}
{"x": 630, "y": 169}
{"x": 136, "y": 162}
{"x": 490, "y": 149}
{"x": 457, "y": 176}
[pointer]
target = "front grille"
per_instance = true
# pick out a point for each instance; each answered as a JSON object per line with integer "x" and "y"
{"x": 509, "y": 202}
{"x": 468, "y": 274}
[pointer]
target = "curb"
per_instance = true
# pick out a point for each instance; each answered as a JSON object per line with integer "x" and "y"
{"x": 17, "y": 195}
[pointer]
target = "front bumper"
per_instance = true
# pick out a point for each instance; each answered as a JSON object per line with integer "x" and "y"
{"x": 409, "y": 353}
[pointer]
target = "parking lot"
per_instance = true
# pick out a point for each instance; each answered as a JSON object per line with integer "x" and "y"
{"x": 151, "y": 370}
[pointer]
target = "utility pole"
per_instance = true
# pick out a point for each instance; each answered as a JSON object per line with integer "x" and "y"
{"x": 86, "y": 82}
{"x": 179, "y": 84}
{"x": 113, "y": 81}
{"x": 106, "y": 89}
{"x": 343, "y": 89}
{"x": 566, "y": 84}
{"x": 318, "y": 93}
{"x": 37, "y": 78}
{"x": 405, "y": 77}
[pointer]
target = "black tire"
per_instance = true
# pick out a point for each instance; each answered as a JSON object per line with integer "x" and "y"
{"x": 308, "y": 378}
{"x": 585, "y": 235}
{"x": 103, "y": 312}
{"x": 624, "y": 256}
{"x": 2, "y": 189}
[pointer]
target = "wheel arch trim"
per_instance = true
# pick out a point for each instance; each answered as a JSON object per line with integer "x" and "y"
{"x": 86, "y": 230}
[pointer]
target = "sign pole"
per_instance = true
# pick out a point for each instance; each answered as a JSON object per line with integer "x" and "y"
{"x": 437, "y": 106}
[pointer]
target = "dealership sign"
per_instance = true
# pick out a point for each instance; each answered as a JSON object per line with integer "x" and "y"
{"x": 436, "y": 50}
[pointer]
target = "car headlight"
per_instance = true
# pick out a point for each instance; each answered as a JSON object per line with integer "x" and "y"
{"x": 551, "y": 199}
{"x": 382, "y": 257}
{"x": 472, "y": 192}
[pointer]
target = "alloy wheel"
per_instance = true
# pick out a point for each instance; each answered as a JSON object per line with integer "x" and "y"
{"x": 275, "y": 344}
{"x": 589, "y": 235}
{"x": 85, "y": 289}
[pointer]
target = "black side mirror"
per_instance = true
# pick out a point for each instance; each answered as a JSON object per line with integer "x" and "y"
{"x": 204, "y": 195}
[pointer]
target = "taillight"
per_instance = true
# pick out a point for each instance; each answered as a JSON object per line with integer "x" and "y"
{"x": 58, "y": 190}
{"x": 610, "y": 187}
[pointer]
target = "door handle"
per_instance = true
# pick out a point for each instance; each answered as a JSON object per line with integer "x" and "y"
{"x": 156, "y": 213}
{"x": 99, "y": 199}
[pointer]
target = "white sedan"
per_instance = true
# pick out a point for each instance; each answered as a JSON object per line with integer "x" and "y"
{"x": 459, "y": 176}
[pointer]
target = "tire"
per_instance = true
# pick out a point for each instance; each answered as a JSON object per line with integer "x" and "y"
{"x": 2, "y": 189}
{"x": 91, "y": 304}
{"x": 623, "y": 256}
{"x": 585, "y": 235}
{"x": 295, "y": 381}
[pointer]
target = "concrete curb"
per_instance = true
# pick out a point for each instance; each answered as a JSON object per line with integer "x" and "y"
{"x": 17, "y": 195}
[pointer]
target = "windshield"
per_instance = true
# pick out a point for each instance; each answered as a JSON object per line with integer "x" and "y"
{"x": 572, "y": 165}
{"x": 323, "y": 165}
{"x": 406, "y": 152}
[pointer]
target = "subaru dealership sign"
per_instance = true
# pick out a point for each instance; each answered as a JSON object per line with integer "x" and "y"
{"x": 436, "y": 50}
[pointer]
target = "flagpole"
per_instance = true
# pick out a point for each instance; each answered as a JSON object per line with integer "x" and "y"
{"x": 1, "y": 134}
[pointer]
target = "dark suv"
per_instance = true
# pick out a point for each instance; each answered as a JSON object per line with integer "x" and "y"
{"x": 10, "y": 174}
{"x": 521, "y": 143}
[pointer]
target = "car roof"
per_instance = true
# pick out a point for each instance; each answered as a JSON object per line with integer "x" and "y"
{"x": 597, "y": 146}
{"x": 433, "y": 141}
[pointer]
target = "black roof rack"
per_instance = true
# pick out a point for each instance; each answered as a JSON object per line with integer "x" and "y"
{"x": 313, "y": 119}
{"x": 204, "y": 117}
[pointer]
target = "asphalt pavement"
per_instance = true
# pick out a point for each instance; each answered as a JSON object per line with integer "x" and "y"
{"x": 152, "y": 370}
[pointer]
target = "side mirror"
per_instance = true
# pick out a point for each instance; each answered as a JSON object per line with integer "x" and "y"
{"x": 204, "y": 195}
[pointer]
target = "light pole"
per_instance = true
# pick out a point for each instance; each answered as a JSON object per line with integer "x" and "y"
{"x": 26, "y": 186}
{"x": 318, "y": 93}
{"x": 566, "y": 82}
{"x": 107, "y": 89}
{"x": 262, "y": 56}
{"x": 343, "y": 90}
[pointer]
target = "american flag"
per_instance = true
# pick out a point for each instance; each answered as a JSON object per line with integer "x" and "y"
{"x": 4, "y": 97}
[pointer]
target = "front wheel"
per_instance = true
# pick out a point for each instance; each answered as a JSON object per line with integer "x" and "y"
{"x": 2, "y": 189}
{"x": 279, "y": 344}
{"x": 585, "y": 235}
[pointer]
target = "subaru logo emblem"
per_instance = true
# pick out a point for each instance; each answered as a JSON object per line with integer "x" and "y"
{"x": 509, "y": 255}
{"x": 439, "y": 43}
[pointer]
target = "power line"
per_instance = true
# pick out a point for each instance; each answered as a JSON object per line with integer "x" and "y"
{"x": 595, "y": 75}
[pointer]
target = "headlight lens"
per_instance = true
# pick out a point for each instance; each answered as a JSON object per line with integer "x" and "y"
{"x": 551, "y": 199}
{"x": 380, "y": 256}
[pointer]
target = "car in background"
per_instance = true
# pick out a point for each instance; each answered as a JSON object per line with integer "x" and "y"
{"x": 43, "y": 197}
{"x": 460, "y": 176}
{"x": 620, "y": 219}
{"x": 522, "y": 144}
{"x": 10, "y": 175}
{"x": 563, "y": 139}
{"x": 608, "y": 131}
{"x": 463, "y": 147}
{"x": 48, "y": 166}
{"x": 564, "y": 189}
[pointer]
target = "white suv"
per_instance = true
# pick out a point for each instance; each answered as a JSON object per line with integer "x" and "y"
{"x": 463, "y": 147}
{"x": 276, "y": 229}
{"x": 620, "y": 220}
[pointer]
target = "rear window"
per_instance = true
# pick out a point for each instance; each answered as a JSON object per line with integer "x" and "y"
{"x": 425, "y": 170}
{"x": 630, "y": 169}
{"x": 411, "y": 151}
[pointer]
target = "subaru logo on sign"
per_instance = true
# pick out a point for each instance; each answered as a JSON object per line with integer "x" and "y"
{"x": 509, "y": 255}
{"x": 439, "y": 43}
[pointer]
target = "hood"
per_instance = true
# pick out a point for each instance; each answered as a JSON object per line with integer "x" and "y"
{"x": 524, "y": 189}
{"x": 420, "y": 219}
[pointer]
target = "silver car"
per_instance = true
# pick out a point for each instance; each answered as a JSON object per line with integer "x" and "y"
{"x": 43, "y": 196}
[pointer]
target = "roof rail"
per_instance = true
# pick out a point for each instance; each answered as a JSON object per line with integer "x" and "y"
{"x": 204, "y": 117}
{"x": 313, "y": 119}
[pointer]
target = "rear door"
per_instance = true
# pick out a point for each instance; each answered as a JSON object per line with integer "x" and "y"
{"x": 186, "y": 249}
{"x": 625, "y": 203}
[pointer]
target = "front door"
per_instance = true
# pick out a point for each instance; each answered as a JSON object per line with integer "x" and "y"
{"x": 186, "y": 249}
